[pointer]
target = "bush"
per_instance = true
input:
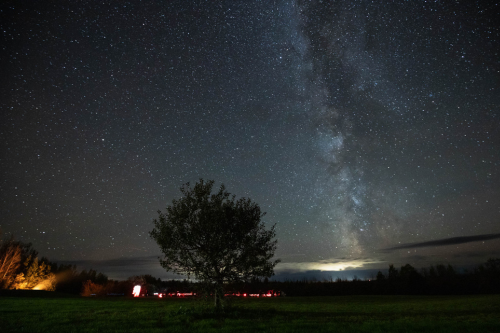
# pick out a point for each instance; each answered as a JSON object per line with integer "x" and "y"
{"x": 93, "y": 289}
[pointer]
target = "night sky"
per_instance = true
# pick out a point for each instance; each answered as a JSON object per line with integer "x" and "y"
{"x": 367, "y": 130}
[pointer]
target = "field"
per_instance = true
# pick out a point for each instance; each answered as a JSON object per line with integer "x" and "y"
{"x": 306, "y": 314}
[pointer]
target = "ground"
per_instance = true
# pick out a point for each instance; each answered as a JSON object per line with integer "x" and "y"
{"x": 288, "y": 314}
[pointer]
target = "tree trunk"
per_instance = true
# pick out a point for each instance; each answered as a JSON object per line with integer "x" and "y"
{"x": 218, "y": 297}
{"x": 217, "y": 300}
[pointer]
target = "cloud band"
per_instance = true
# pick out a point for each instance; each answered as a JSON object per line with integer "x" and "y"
{"x": 444, "y": 242}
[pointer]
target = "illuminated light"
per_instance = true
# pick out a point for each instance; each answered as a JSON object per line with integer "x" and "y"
{"x": 269, "y": 293}
{"x": 179, "y": 294}
{"x": 326, "y": 265}
{"x": 186, "y": 294}
{"x": 46, "y": 284}
{"x": 137, "y": 291}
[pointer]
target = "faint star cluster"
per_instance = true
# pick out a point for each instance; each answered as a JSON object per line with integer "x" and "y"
{"x": 356, "y": 125}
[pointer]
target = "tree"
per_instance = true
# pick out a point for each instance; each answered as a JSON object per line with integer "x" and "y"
{"x": 12, "y": 256}
{"x": 215, "y": 238}
{"x": 90, "y": 288}
{"x": 10, "y": 261}
{"x": 492, "y": 265}
{"x": 36, "y": 276}
{"x": 407, "y": 272}
{"x": 393, "y": 272}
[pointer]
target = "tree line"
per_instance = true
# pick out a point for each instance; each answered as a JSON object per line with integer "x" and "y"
{"x": 20, "y": 268}
{"x": 407, "y": 280}
{"x": 434, "y": 280}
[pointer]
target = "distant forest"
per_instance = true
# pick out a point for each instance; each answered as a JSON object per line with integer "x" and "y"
{"x": 435, "y": 280}
{"x": 20, "y": 268}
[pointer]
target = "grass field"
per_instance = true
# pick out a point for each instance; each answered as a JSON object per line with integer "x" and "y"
{"x": 315, "y": 314}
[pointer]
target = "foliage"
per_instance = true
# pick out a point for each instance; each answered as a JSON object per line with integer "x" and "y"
{"x": 20, "y": 268}
{"x": 70, "y": 280}
{"x": 16, "y": 260}
{"x": 35, "y": 276}
{"x": 93, "y": 289}
{"x": 10, "y": 260}
{"x": 214, "y": 237}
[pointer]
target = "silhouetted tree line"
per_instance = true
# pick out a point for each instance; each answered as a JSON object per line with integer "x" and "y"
{"x": 71, "y": 281}
{"x": 435, "y": 280}
{"x": 20, "y": 268}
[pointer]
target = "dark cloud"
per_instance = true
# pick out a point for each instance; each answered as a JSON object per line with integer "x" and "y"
{"x": 414, "y": 258}
{"x": 123, "y": 268}
{"x": 134, "y": 261}
{"x": 444, "y": 242}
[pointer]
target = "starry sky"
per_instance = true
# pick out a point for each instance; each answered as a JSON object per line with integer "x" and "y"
{"x": 368, "y": 131}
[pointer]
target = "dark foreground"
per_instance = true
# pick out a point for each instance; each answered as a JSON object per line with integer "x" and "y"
{"x": 305, "y": 314}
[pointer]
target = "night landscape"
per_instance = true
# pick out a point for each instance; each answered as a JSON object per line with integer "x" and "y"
{"x": 360, "y": 140}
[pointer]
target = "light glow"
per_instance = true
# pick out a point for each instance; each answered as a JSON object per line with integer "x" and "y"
{"x": 327, "y": 265}
{"x": 179, "y": 294}
{"x": 269, "y": 293}
{"x": 137, "y": 291}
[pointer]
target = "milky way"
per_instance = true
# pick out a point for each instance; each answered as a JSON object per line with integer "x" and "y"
{"x": 356, "y": 125}
{"x": 407, "y": 112}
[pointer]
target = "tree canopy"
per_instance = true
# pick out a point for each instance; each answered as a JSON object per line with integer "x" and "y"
{"x": 214, "y": 237}
{"x": 20, "y": 268}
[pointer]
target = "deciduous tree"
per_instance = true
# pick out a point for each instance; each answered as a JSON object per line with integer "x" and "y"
{"x": 37, "y": 276}
{"x": 10, "y": 262}
{"x": 214, "y": 237}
